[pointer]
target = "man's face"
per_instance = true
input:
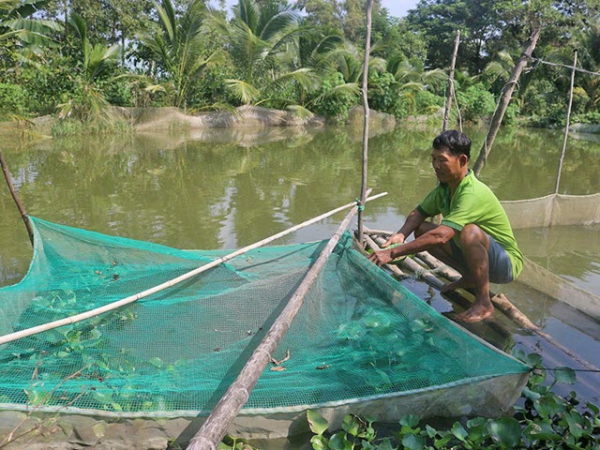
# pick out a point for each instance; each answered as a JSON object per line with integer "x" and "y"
{"x": 447, "y": 166}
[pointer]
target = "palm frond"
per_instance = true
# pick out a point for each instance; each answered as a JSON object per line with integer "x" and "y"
{"x": 244, "y": 91}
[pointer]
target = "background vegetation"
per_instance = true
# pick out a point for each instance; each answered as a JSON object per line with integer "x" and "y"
{"x": 75, "y": 57}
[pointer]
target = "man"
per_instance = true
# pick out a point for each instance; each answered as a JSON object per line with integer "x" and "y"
{"x": 475, "y": 236}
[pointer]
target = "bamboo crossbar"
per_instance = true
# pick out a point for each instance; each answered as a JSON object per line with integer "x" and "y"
{"x": 167, "y": 284}
{"x": 214, "y": 428}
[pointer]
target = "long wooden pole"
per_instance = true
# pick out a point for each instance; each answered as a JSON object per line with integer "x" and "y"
{"x": 451, "y": 83}
{"x": 215, "y": 427}
{"x": 103, "y": 309}
{"x": 504, "y": 100}
{"x": 365, "y": 140}
{"x": 564, "y": 147}
{"x": 15, "y": 197}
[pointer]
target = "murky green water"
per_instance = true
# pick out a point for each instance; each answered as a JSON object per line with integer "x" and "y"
{"x": 227, "y": 189}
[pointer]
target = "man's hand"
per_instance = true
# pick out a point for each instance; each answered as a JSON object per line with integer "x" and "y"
{"x": 381, "y": 257}
{"x": 397, "y": 238}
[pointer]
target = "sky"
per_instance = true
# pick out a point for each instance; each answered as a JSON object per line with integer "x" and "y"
{"x": 397, "y": 8}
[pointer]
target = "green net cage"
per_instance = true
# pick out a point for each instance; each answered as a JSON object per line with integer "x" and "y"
{"x": 361, "y": 342}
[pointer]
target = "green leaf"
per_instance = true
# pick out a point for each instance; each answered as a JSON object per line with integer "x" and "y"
{"x": 351, "y": 425}
{"x": 317, "y": 423}
{"x": 459, "y": 432}
{"x": 593, "y": 408}
{"x": 477, "y": 429}
{"x": 546, "y": 406}
{"x": 319, "y": 442}
{"x": 339, "y": 441}
{"x": 565, "y": 375}
{"x": 534, "y": 360}
{"x": 410, "y": 420}
{"x": 542, "y": 431}
{"x": 36, "y": 397}
{"x": 156, "y": 362}
{"x": 576, "y": 424}
{"x": 412, "y": 442}
{"x": 103, "y": 397}
{"x": 506, "y": 431}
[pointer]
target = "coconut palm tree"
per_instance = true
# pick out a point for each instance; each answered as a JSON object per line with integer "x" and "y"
{"x": 263, "y": 42}
{"x": 89, "y": 102}
{"x": 410, "y": 79}
{"x": 178, "y": 47}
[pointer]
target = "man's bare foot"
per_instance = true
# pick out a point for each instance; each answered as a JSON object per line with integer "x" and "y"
{"x": 476, "y": 313}
{"x": 458, "y": 284}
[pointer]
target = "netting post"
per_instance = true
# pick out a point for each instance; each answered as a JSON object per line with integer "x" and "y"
{"x": 564, "y": 147}
{"x": 15, "y": 197}
{"x": 451, "y": 83}
{"x": 365, "y": 141}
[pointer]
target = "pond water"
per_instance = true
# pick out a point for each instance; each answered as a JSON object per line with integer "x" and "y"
{"x": 227, "y": 189}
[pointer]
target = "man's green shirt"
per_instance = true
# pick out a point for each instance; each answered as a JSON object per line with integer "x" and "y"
{"x": 474, "y": 203}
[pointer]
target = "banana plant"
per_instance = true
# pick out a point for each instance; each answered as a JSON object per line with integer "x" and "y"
{"x": 17, "y": 22}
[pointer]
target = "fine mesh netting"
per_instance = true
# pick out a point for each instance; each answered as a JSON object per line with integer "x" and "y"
{"x": 360, "y": 333}
{"x": 552, "y": 210}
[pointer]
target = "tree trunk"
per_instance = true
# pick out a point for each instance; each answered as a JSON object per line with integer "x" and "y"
{"x": 504, "y": 100}
{"x": 451, "y": 83}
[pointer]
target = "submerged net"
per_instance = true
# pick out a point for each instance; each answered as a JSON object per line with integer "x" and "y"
{"x": 359, "y": 334}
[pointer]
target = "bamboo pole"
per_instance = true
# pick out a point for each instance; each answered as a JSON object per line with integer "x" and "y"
{"x": 499, "y": 300}
{"x": 106, "y": 308}
{"x": 365, "y": 140}
{"x": 15, "y": 197}
{"x": 215, "y": 427}
{"x": 395, "y": 270}
{"x": 451, "y": 83}
{"x": 504, "y": 100}
{"x": 564, "y": 147}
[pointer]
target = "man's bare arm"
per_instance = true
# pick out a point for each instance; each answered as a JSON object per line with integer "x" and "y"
{"x": 412, "y": 222}
{"x": 438, "y": 236}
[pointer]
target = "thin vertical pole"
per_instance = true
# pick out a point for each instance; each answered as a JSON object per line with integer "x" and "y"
{"x": 365, "y": 142}
{"x": 564, "y": 148}
{"x": 15, "y": 197}
{"x": 451, "y": 83}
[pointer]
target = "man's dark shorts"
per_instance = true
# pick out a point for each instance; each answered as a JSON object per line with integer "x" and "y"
{"x": 500, "y": 267}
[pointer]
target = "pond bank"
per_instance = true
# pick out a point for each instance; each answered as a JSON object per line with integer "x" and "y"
{"x": 172, "y": 119}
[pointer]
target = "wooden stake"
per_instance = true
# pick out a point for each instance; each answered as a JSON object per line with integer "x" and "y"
{"x": 503, "y": 102}
{"x": 365, "y": 141}
{"x": 95, "y": 312}
{"x": 451, "y": 83}
{"x": 564, "y": 148}
{"x": 215, "y": 427}
{"x": 15, "y": 197}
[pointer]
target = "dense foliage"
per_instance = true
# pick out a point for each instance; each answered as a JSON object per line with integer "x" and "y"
{"x": 75, "y": 57}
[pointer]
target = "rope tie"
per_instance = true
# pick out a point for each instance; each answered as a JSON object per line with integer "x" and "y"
{"x": 360, "y": 207}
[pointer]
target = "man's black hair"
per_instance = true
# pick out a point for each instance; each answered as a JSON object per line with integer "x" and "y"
{"x": 455, "y": 141}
